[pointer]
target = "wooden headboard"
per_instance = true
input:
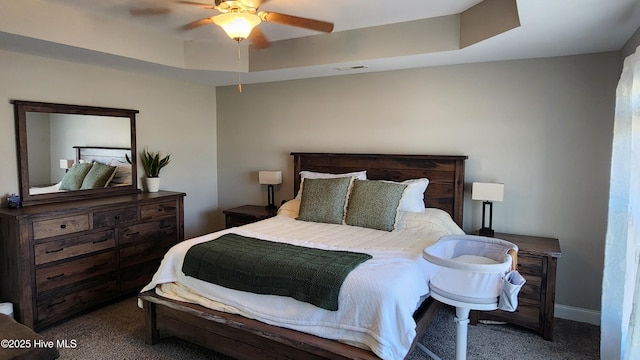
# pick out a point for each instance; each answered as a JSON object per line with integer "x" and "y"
{"x": 445, "y": 173}
{"x": 102, "y": 154}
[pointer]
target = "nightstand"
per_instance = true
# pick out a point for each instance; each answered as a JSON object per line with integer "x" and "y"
{"x": 537, "y": 263}
{"x": 246, "y": 214}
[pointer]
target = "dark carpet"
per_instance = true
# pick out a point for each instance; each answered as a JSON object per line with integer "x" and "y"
{"x": 116, "y": 332}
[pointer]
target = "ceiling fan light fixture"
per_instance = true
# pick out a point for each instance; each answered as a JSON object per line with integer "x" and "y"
{"x": 237, "y": 25}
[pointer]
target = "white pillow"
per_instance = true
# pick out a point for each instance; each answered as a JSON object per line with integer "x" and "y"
{"x": 360, "y": 175}
{"x": 290, "y": 209}
{"x": 413, "y": 198}
{"x": 431, "y": 221}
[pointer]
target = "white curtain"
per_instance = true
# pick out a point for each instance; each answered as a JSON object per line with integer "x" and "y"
{"x": 620, "y": 322}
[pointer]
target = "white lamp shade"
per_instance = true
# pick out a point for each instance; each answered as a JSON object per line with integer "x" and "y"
{"x": 487, "y": 191}
{"x": 238, "y": 26}
{"x": 270, "y": 177}
{"x": 66, "y": 164}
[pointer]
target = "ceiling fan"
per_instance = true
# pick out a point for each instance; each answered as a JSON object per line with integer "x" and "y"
{"x": 239, "y": 19}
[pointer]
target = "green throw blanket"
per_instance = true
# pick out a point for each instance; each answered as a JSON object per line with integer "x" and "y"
{"x": 265, "y": 267}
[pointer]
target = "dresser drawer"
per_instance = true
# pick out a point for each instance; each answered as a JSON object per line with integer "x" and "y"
{"x": 150, "y": 231}
{"x": 530, "y": 265}
{"x": 531, "y": 289}
{"x": 73, "y": 246}
{"x": 59, "y": 307}
{"x": 72, "y": 271}
{"x": 239, "y": 220}
{"x": 154, "y": 211}
{"x": 115, "y": 217}
{"x": 60, "y": 226}
{"x": 145, "y": 251}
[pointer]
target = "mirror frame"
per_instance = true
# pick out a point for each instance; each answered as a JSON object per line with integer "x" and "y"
{"x": 20, "y": 111}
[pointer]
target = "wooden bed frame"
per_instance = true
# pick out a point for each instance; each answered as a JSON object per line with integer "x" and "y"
{"x": 244, "y": 338}
{"x": 102, "y": 154}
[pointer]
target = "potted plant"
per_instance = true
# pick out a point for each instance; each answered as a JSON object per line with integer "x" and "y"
{"x": 152, "y": 164}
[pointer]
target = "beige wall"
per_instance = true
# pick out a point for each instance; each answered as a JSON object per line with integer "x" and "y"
{"x": 543, "y": 127}
{"x": 174, "y": 117}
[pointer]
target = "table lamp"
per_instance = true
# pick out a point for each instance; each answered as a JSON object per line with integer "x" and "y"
{"x": 270, "y": 178}
{"x": 487, "y": 192}
{"x": 66, "y": 164}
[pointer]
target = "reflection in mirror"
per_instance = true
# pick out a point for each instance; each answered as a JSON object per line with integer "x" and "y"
{"x": 68, "y": 152}
{"x": 54, "y": 140}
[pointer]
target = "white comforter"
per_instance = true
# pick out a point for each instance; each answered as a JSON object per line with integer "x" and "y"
{"x": 45, "y": 189}
{"x": 376, "y": 301}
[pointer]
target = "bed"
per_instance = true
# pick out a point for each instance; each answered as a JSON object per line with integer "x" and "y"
{"x": 112, "y": 156}
{"x": 244, "y": 337}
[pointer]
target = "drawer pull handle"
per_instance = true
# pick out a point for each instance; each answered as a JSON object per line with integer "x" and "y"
{"x": 117, "y": 217}
{"x": 133, "y": 233}
{"x": 142, "y": 254}
{"x": 99, "y": 241}
{"x": 97, "y": 266}
{"x": 53, "y": 251}
{"x": 55, "y": 304}
{"x": 55, "y": 277}
{"x": 63, "y": 226}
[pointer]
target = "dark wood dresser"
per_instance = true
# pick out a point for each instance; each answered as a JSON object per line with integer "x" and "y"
{"x": 60, "y": 259}
{"x": 537, "y": 263}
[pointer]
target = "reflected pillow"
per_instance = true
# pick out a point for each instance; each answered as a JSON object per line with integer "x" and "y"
{"x": 98, "y": 176}
{"x": 362, "y": 175}
{"x": 72, "y": 180}
{"x": 122, "y": 175}
{"x": 323, "y": 200}
{"x": 374, "y": 204}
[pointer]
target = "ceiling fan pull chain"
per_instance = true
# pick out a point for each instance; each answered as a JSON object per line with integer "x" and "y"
{"x": 239, "y": 83}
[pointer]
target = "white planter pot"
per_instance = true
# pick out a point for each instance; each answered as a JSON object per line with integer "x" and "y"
{"x": 153, "y": 184}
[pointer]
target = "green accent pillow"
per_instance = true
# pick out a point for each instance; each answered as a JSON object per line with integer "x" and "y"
{"x": 374, "y": 204}
{"x": 72, "y": 180}
{"x": 99, "y": 176}
{"x": 323, "y": 200}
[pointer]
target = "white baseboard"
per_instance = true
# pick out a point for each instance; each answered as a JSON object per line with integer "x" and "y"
{"x": 577, "y": 314}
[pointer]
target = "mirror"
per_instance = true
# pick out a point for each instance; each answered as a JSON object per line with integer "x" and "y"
{"x": 52, "y": 139}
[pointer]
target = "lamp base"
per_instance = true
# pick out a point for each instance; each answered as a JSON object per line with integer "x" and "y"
{"x": 486, "y": 232}
{"x": 270, "y": 198}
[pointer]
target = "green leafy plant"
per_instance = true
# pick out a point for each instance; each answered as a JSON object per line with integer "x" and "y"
{"x": 152, "y": 163}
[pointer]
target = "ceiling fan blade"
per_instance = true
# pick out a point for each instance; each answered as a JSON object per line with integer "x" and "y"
{"x": 206, "y": 6}
{"x": 198, "y": 23}
{"x": 257, "y": 38}
{"x": 149, "y": 11}
{"x": 297, "y": 21}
